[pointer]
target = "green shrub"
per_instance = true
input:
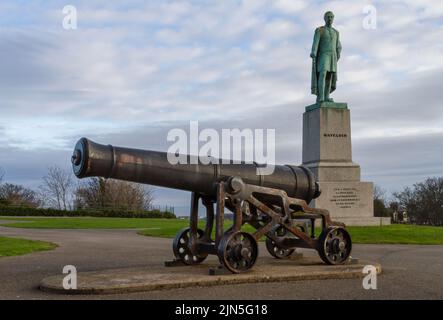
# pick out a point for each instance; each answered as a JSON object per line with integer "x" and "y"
{"x": 48, "y": 212}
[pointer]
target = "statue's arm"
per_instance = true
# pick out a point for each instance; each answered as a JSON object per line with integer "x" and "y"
{"x": 315, "y": 43}
{"x": 338, "y": 46}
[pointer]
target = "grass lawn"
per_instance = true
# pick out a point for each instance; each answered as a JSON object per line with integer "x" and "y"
{"x": 397, "y": 234}
{"x": 393, "y": 234}
{"x": 93, "y": 223}
{"x": 16, "y": 247}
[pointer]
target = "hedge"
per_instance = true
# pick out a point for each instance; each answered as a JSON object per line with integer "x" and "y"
{"x": 48, "y": 212}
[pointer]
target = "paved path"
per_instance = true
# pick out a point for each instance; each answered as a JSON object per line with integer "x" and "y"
{"x": 409, "y": 271}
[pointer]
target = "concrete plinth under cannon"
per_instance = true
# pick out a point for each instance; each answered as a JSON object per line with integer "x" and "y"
{"x": 139, "y": 279}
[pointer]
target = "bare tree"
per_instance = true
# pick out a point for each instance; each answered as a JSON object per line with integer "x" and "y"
{"x": 17, "y": 195}
{"x": 379, "y": 193}
{"x": 380, "y": 209}
{"x": 148, "y": 196}
{"x": 2, "y": 174}
{"x": 113, "y": 194}
{"x": 423, "y": 201}
{"x": 57, "y": 188}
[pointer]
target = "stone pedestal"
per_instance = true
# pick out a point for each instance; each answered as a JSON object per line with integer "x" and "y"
{"x": 327, "y": 151}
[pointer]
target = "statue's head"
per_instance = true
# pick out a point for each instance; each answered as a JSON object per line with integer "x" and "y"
{"x": 329, "y": 18}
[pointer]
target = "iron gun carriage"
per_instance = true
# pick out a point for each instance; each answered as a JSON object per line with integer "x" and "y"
{"x": 275, "y": 205}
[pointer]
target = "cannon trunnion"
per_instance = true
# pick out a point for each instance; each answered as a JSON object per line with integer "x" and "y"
{"x": 275, "y": 205}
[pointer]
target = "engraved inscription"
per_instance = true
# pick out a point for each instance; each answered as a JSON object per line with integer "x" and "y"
{"x": 335, "y": 135}
{"x": 345, "y": 198}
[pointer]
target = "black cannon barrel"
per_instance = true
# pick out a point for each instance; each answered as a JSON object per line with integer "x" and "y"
{"x": 91, "y": 159}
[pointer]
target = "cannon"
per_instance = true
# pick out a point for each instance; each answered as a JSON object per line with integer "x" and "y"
{"x": 274, "y": 206}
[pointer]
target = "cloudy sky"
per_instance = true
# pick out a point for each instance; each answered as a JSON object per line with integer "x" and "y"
{"x": 132, "y": 70}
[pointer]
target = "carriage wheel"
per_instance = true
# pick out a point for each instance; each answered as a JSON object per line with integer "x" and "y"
{"x": 273, "y": 249}
{"x": 334, "y": 245}
{"x": 238, "y": 251}
{"x": 182, "y": 250}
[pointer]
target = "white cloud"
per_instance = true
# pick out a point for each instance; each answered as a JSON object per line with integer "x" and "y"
{"x": 138, "y": 64}
{"x": 290, "y": 6}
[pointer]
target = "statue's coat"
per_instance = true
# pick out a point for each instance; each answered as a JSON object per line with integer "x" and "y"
{"x": 327, "y": 48}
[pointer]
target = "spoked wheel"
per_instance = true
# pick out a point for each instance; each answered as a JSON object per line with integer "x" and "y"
{"x": 181, "y": 249}
{"x": 273, "y": 248}
{"x": 238, "y": 251}
{"x": 334, "y": 245}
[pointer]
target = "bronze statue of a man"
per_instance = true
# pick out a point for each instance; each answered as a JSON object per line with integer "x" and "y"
{"x": 325, "y": 54}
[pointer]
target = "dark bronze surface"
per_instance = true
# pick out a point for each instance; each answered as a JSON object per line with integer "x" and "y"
{"x": 152, "y": 167}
